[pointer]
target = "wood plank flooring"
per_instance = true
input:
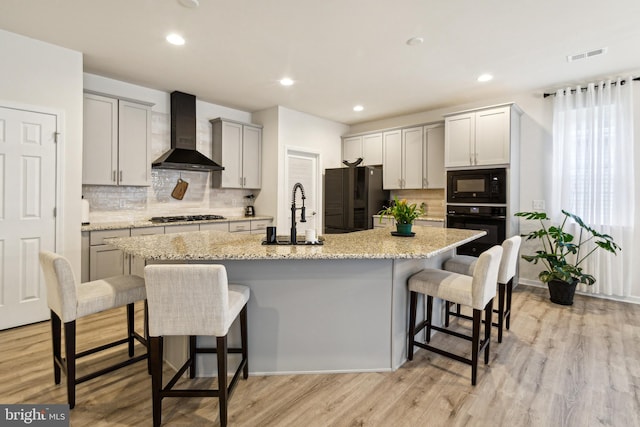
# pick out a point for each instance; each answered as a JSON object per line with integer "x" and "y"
{"x": 557, "y": 366}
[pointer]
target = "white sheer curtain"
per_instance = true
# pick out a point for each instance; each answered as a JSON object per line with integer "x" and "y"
{"x": 593, "y": 174}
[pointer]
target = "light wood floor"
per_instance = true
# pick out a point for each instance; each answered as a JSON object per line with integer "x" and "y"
{"x": 557, "y": 366}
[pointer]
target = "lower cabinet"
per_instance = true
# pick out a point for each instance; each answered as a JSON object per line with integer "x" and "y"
{"x": 105, "y": 260}
{"x": 100, "y": 260}
{"x": 137, "y": 264}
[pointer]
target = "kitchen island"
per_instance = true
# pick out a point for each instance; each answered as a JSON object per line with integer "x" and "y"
{"x": 337, "y": 307}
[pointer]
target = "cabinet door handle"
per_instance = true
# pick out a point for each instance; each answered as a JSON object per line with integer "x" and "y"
{"x": 244, "y": 181}
{"x": 113, "y": 176}
{"x": 240, "y": 179}
{"x": 120, "y": 176}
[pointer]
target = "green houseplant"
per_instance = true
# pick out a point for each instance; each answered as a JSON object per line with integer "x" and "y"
{"x": 403, "y": 213}
{"x": 562, "y": 254}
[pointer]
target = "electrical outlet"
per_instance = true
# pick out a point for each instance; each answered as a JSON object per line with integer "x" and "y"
{"x": 538, "y": 205}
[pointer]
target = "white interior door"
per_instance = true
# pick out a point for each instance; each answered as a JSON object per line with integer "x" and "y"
{"x": 27, "y": 219}
{"x": 302, "y": 167}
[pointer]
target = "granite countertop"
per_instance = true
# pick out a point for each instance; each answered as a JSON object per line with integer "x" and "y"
{"x": 369, "y": 244}
{"x": 146, "y": 223}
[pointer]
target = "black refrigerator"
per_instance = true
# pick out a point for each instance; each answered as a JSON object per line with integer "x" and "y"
{"x": 351, "y": 196}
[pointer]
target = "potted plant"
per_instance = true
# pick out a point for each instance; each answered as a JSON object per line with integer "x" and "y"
{"x": 403, "y": 213}
{"x": 562, "y": 255}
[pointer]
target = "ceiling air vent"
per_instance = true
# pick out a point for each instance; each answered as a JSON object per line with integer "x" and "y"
{"x": 587, "y": 55}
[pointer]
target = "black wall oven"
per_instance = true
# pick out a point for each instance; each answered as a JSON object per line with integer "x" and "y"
{"x": 491, "y": 219}
{"x": 477, "y": 186}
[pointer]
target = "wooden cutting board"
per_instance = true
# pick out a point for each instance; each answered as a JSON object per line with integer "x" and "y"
{"x": 180, "y": 189}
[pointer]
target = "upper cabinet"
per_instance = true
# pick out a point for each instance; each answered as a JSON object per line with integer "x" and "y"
{"x": 369, "y": 147}
{"x": 116, "y": 141}
{"x": 433, "y": 161}
{"x": 481, "y": 137}
{"x": 238, "y": 148}
{"x": 414, "y": 158}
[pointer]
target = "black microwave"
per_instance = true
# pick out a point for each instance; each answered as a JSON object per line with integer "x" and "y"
{"x": 477, "y": 186}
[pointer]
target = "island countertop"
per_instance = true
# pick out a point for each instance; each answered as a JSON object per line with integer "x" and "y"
{"x": 369, "y": 244}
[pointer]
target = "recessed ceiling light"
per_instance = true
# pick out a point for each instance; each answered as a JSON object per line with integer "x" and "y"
{"x": 286, "y": 81}
{"x": 191, "y": 4}
{"x": 415, "y": 41}
{"x": 485, "y": 77}
{"x": 175, "y": 39}
{"x": 358, "y": 108}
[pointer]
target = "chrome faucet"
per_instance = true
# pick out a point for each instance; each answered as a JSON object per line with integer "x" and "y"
{"x": 293, "y": 211}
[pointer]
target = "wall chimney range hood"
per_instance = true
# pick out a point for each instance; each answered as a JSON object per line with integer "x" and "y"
{"x": 183, "y": 154}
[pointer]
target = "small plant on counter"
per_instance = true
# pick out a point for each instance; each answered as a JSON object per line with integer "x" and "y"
{"x": 401, "y": 211}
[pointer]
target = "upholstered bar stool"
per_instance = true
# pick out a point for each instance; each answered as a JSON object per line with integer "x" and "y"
{"x": 194, "y": 300}
{"x": 69, "y": 301}
{"x": 465, "y": 264}
{"x": 477, "y": 291}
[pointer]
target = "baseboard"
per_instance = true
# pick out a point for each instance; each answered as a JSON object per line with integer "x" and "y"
{"x": 538, "y": 284}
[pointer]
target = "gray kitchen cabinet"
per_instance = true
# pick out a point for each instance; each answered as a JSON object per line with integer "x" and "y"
{"x": 116, "y": 141}
{"x": 481, "y": 137}
{"x": 351, "y": 148}
{"x": 137, "y": 264}
{"x": 392, "y": 160}
{"x": 221, "y": 226}
{"x": 429, "y": 223}
{"x": 105, "y": 260}
{"x": 368, "y": 146}
{"x": 238, "y": 148}
{"x": 259, "y": 226}
{"x": 181, "y": 228}
{"x": 433, "y": 175}
{"x": 402, "y": 161}
{"x": 240, "y": 227}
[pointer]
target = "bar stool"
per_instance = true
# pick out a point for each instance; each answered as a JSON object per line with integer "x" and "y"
{"x": 477, "y": 291}
{"x": 191, "y": 300}
{"x": 68, "y": 302}
{"x": 465, "y": 264}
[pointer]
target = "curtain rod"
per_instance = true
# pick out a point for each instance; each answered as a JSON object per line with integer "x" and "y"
{"x": 584, "y": 88}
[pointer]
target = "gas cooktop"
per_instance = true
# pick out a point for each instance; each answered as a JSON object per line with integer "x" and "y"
{"x": 179, "y": 218}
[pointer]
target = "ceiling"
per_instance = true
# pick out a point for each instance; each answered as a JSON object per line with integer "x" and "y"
{"x": 340, "y": 52}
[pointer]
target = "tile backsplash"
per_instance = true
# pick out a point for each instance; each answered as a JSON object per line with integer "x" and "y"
{"x": 433, "y": 200}
{"x": 122, "y": 203}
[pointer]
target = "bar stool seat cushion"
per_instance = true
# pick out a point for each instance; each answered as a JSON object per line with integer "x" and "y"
{"x": 442, "y": 284}
{"x": 101, "y": 295}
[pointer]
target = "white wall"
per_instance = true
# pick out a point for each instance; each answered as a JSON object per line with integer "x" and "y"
{"x": 297, "y": 130}
{"x": 37, "y": 75}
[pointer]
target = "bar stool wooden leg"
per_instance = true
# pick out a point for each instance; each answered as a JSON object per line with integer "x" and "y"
{"x": 413, "y": 305}
{"x": 155, "y": 351}
{"x": 475, "y": 345}
{"x": 56, "y": 336}
{"x": 429, "y": 317}
{"x": 130, "y": 328}
{"x": 245, "y": 342}
{"x": 221, "y": 350}
{"x": 192, "y": 354}
{"x": 487, "y": 329}
{"x": 70, "y": 354}
{"x": 501, "y": 292}
{"x": 509, "y": 292}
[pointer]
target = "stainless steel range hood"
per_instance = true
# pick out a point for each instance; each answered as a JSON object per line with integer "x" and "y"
{"x": 183, "y": 154}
